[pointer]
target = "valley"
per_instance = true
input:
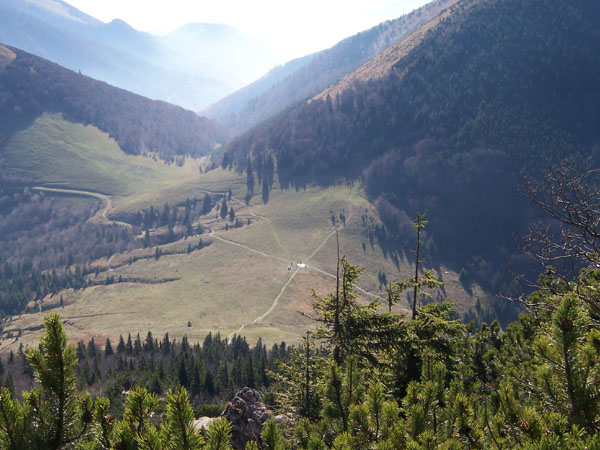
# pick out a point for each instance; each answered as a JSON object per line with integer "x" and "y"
{"x": 242, "y": 280}
{"x": 391, "y": 243}
{"x": 227, "y": 226}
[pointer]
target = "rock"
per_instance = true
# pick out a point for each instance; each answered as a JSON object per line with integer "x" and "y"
{"x": 203, "y": 423}
{"x": 247, "y": 414}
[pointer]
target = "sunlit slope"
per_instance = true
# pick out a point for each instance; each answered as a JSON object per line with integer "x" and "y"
{"x": 58, "y": 153}
{"x": 246, "y": 281}
{"x": 31, "y": 86}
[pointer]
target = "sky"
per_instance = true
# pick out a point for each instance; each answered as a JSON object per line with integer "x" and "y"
{"x": 291, "y": 27}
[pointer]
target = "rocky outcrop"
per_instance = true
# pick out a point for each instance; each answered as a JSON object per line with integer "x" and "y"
{"x": 247, "y": 414}
{"x": 203, "y": 423}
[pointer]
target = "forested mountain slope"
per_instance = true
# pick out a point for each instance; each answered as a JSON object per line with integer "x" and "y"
{"x": 30, "y": 85}
{"x": 240, "y": 99}
{"x": 241, "y": 111}
{"x": 191, "y": 67}
{"x": 494, "y": 90}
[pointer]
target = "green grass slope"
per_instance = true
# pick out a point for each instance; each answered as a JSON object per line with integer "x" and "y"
{"x": 55, "y": 152}
{"x": 240, "y": 283}
{"x": 30, "y": 86}
{"x": 245, "y": 281}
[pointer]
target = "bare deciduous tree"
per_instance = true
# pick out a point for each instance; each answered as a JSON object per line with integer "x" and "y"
{"x": 567, "y": 243}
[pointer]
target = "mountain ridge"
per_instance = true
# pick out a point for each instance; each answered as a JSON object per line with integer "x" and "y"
{"x": 122, "y": 56}
{"x": 247, "y": 111}
{"x": 492, "y": 91}
{"x": 383, "y": 62}
{"x": 31, "y": 85}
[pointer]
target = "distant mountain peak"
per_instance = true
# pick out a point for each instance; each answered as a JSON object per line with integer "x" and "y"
{"x": 120, "y": 23}
{"x": 120, "y": 26}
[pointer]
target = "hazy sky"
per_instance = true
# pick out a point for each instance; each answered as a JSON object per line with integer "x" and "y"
{"x": 292, "y": 27}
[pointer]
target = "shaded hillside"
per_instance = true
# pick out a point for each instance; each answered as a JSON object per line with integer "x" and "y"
{"x": 497, "y": 88}
{"x": 30, "y": 86}
{"x": 240, "y": 112}
{"x": 79, "y": 49}
{"x": 183, "y": 68}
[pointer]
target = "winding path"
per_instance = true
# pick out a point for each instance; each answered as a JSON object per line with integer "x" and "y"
{"x": 251, "y": 213}
{"x": 110, "y": 269}
{"x": 284, "y": 287}
{"x": 258, "y": 252}
{"x": 101, "y": 215}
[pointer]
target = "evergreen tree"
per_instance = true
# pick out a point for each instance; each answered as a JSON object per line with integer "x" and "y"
{"x": 259, "y": 164}
{"x": 60, "y": 415}
{"x": 15, "y": 422}
{"x": 429, "y": 279}
{"x": 135, "y": 431}
{"x": 129, "y": 345}
{"x": 249, "y": 176}
{"x": 178, "y": 431}
{"x": 206, "y": 204}
{"x": 394, "y": 292}
{"x": 208, "y": 384}
{"x": 137, "y": 345}
{"x": 121, "y": 344}
{"x": 182, "y": 374}
{"x": 196, "y": 383}
{"x": 166, "y": 214}
{"x": 217, "y": 435}
{"x": 248, "y": 372}
{"x": 226, "y": 161}
{"x": 297, "y": 379}
{"x": 9, "y": 384}
{"x": 271, "y": 436}
{"x": 108, "y": 350}
{"x": 222, "y": 378}
{"x": 147, "y": 241}
{"x": 91, "y": 348}
{"x": 348, "y": 327}
{"x": 166, "y": 344}
{"x": 269, "y": 170}
{"x": 223, "y": 209}
{"x": 265, "y": 191}
{"x": 149, "y": 342}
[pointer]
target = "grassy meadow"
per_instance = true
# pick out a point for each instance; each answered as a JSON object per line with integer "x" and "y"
{"x": 239, "y": 283}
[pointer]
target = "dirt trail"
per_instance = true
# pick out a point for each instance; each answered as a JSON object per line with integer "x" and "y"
{"x": 284, "y": 287}
{"x": 219, "y": 238}
{"x": 268, "y": 220}
{"x": 101, "y": 215}
{"x": 252, "y": 213}
{"x": 110, "y": 269}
